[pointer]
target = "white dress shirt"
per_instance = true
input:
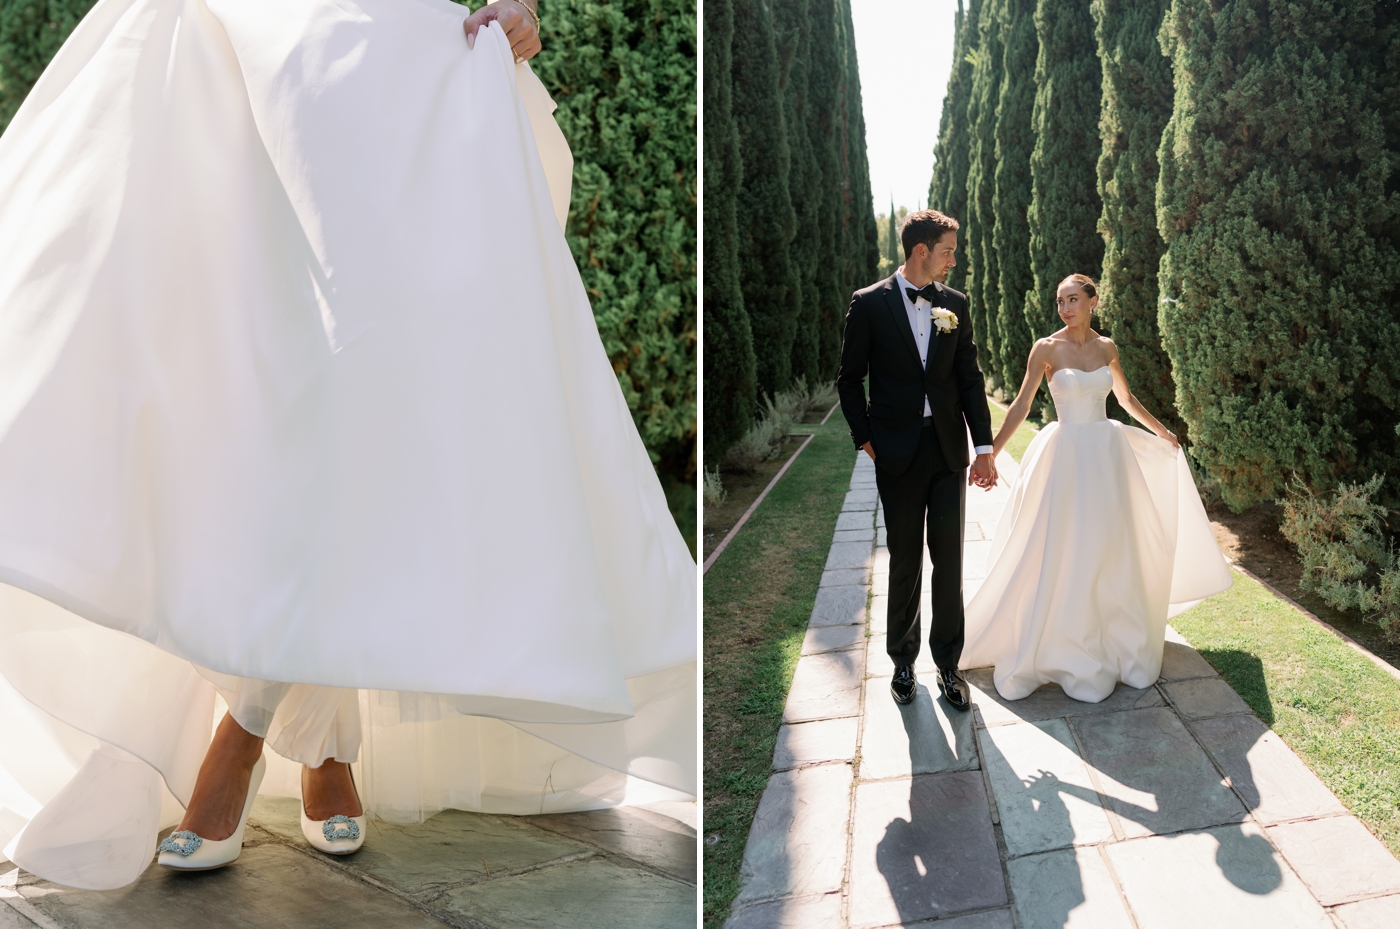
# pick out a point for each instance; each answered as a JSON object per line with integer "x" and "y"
{"x": 921, "y": 321}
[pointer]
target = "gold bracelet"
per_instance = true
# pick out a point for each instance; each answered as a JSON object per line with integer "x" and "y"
{"x": 533, "y": 15}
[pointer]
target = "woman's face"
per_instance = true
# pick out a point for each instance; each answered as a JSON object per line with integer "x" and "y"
{"x": 1074, "y": 304}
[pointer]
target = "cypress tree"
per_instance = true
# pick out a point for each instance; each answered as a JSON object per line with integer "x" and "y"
{"x": 1277, "y": 200}
{"x": 862, "y": 235}
{"x": 1011, "y": 196}
{"x": 1064, "y": 212}
{"x": 764, "y": 213}
{"x": 31, "y": 32}
{"x": 983, "y": 277}
{"x": 826, "y": 93}
{"x": 893, "y": 249}
{"x": 792, "y": 24}
{"x": 1137, "y": 101}
{"x": 947, "y": 191}
{"x": 729, "y": 358}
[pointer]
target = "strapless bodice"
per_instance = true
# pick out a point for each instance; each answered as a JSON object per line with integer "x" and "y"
{"x": 1079, "y": 395}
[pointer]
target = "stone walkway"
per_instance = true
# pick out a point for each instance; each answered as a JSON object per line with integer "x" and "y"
{"x": 627, "y": 868}
{"x": 1167, "y": 807}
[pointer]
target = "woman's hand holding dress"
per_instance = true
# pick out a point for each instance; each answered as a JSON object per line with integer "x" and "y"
{"x": 515, "y": 17}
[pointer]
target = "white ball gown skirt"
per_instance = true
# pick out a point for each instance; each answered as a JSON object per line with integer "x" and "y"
{"x": 1104, "y": 538}
{"x": 302, "y": 405}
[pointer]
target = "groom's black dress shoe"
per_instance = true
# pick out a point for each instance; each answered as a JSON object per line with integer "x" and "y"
{"x": 953, "y": 686}
{"x": 904, "y": 684}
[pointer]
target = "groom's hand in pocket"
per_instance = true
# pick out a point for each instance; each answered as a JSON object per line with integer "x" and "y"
{"x": 869, "y": 450}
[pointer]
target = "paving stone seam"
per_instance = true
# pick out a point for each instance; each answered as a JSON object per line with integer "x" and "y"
{"x": 860, "y": 726}
{"x": 421, "y": 900}
{"x": 1119, "y": 833}
{"x": 1229, "y": 784}
{"x": 15, "y": 901}
{"x": 412, "y": 900}
{"x": 1102, "y": 849}
{"x": 944, "y": 920}
{"x": 608, "y": 854}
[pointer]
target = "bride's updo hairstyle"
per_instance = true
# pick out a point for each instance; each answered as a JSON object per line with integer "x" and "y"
{"x": 1084, "y": 281}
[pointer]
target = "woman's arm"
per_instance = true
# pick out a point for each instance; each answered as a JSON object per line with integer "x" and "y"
{"x": 1021, "y": 407}
{"x": 518, "y": 18}
{"x": 1132, "y": 404}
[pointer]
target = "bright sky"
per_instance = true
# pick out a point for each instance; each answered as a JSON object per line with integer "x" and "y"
{"x": 905, "y": 50}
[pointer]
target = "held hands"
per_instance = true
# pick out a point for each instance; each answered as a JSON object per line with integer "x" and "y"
{"x": 983, "y": 472}
{"x": 515, "y": 18}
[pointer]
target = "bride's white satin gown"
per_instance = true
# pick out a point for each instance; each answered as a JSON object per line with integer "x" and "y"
{"x": 1104, "y": 538}
{"x": 302, "y": 405}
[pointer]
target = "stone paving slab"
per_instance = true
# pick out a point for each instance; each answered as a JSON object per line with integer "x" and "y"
{"x": 269, "y": 885}
{"x": 1274, "y": 782}
{"x": 1338, "y": 858}
{"x": 1153, "y": 773}
{"x": 817, "y": 742}
{"x": 878, "y": 661}
{"x": 848, "y": 555}
{"x": 790, "y": 913}
{"x": 825, "y": 686}
{"x": 1205, "y": 698}
{"x": 1223, "y": 878}
{"x": 792, "y": 849}
{"x": 1182, "y": 662}
{"x": 591, "y": 894}
{"x": 1070, "y": 888}
{"x": 987, "y": 919}
{"x": 859, "y": 519}
{"x": 1049, "y": 702}
{"x": 1044, "y": 794}
{"x": 866, "y": 535}
{"x": 1376, "y": 913}
{"x": 9, "y": 919}
{"x": 922, "y": 848}
{"x": 926, "y": 736}
{"x": 450, "y": 847}
{"x": 844, "y": 577}
{"x": 628, "y": 832}
{"x": 839, "y": 606}
{"x": 864, "y": 498}
{"x": 832, "y": 639}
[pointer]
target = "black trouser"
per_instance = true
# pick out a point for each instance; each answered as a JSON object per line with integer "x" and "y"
{"x": 931, "y": 494}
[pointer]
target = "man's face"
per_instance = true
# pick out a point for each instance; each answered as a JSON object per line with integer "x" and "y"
{"x": 942, "y": 256}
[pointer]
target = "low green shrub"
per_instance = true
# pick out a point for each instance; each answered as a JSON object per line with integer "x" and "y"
{"x": 713, "y": 488}
{"x": 1348, "y": 558}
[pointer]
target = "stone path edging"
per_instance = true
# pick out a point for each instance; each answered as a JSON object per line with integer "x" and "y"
{"x": 1161, "y": 807}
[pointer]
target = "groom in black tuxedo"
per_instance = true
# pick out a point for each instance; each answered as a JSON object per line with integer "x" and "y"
{"x": 913, "y": 336}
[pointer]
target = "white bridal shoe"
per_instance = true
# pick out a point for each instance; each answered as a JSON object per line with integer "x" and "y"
{"x": 185, "y": 851}
{"x": 339, "y": 835}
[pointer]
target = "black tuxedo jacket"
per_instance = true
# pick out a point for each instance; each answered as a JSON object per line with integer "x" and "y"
{"x": 879, "y": 341}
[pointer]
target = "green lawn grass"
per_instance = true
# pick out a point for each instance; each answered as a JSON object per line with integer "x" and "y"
{"x": 1336, "y": 709}
{"x": 758, "y": 598}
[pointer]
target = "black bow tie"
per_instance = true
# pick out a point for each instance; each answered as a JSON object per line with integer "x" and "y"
{"x": 928, "y": 293}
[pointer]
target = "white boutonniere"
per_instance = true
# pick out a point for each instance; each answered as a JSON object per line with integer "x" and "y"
{"x": 943, "y": 320}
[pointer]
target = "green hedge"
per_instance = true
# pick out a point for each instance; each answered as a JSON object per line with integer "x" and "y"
{"x": 1278, "y": 204}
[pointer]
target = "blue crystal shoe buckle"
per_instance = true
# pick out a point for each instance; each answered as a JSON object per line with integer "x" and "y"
{"x": 331, "y": 828}
{"x": 192, "y": 843}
